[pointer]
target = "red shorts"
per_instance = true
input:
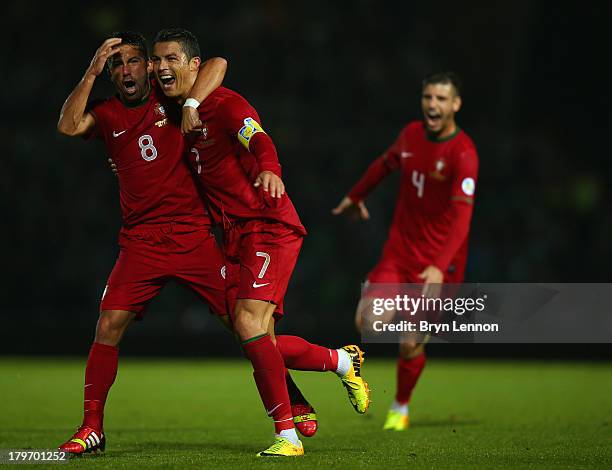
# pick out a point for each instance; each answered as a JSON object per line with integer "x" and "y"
{"x": 397, "y": 271}
{"x": 260, "y": 256}
{"x": 152, "y": 255}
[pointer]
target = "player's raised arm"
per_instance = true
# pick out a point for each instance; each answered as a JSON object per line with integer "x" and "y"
{"x": 210, "y": 77}
{"x": 353, "y": 203}
{"x": 73, "y": 119}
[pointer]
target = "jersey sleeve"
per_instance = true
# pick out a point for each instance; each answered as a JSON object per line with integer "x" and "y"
{"x": 462, "y": 202}
{"x": 464, "y": 176}
{"x": 376, "y": 172}
{"x": 242, "y": 122}
{"x": 97, "y": 109}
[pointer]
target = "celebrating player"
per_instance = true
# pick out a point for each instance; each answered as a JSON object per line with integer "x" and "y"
{"x": 428, "y": 237}
{"x": 236, "y": 162}
{"x": 166, "y": 232}
{"x": 166, "y": 229}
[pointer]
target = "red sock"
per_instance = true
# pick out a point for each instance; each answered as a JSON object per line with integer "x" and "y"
{"x": 299, "y": 354}
{"x": 295, "y": 394}
{"x": 408, "y": 372}
{"x": 269, "y": 374}
{"x": 100, "y": 374}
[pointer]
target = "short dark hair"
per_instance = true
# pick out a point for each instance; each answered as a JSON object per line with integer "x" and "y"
{"x": 444, "y": 78}
{"x": 188, "y": 42}
{"x": 133, "y": 39}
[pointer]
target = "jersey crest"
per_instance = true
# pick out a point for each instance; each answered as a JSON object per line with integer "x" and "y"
{"x": 437, "y": 173}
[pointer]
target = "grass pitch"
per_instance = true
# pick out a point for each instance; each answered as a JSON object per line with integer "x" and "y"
{"x": 207, "y": 414}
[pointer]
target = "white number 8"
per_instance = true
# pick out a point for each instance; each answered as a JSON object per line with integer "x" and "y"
{"x": 148, "y": 150}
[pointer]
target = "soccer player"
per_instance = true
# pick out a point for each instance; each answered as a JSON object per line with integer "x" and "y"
{"x": 427, "y": 241}
{"x": 237, "y": 163}
{"x": 164, "y": 216}
{"x": 166, "y": 231}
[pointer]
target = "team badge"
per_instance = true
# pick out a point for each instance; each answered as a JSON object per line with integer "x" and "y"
{"x": 437, "y": 173}
{"x": 162, "y": 123}
{"x": 468, "y": 186}
{"x": 205, "y": 131}
{"x": 159, "y": 110}
{"x": 246, "y": 132}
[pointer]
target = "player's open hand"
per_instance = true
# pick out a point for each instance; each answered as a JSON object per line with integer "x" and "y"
{"x": 356, "y": 210}
{"x": 191, "y": 120}
{"x": 107, "y": 49}
{"x": 113, "y": 167}
{"x": 271, "y": 183}
{"x": 432, "y": 279}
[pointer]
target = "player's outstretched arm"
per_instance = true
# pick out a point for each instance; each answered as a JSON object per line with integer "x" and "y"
{"x": 210, "y": 77}
{"x": 377, "y": 171}
{"x": 73, "y": 119}
{"x": 356, "y": 209}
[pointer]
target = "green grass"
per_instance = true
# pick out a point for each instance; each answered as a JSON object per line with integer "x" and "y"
{"x": 206, "y": 413}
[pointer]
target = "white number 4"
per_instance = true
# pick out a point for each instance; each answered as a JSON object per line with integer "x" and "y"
{"x": 418, "y": 180}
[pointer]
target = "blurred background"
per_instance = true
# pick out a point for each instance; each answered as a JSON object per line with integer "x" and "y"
{"x": 334, "y": 83}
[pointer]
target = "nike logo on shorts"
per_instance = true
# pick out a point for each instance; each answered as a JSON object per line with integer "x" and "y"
{"x": 255, "y": 285}
{"x": 117, "y": 134}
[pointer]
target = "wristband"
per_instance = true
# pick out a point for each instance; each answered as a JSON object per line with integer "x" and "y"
{"x": 191, "y": 102}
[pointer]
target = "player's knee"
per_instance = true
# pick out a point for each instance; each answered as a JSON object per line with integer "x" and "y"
{"x": 410, "y": 349}
{"x": 247, "y": 324}
{"x": 111, "y": 326}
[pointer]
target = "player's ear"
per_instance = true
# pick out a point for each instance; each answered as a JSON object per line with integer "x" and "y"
{"x": 194, "y": 63}
{"x": 456, "y": 103}
{"x": 149, "y": 66}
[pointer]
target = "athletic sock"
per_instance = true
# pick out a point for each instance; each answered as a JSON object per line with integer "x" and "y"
{"x": 299, "y": 354}
{"x": 269, "y": 374}
{"x": 408, "y": 372}
{"x": 344, "y": 363}
{"x": 100, "y": 375}
{"x": 401, "y": 408}
{"x": 295, "y": 394}
{"x": 290, "y": 434}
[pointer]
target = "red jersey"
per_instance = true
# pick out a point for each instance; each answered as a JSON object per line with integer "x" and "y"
{"x": 228, "y": 155}
{"x": 434, "y": 206}
{"x": 155, "y": 183}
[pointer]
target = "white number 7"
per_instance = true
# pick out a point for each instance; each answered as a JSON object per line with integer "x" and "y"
{"x": 266, "y": 256}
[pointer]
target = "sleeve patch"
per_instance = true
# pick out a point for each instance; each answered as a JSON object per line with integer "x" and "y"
{"x": 468, "y": 186}
{"x": 246, "y": 132}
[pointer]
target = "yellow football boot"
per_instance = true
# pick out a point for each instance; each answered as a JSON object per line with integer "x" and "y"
{"x": 357, "y": 388}
{"x": 396, "y": 421}
{"x": 282, "y": 447}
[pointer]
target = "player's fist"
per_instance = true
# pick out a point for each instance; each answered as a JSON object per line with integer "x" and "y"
{"x": 113, "y": 167}
{"x": 271, "y": 183}
{"x": 107, "y": 49}
{"x": 357, "y": 210}
{"x": 191, "y": 120}
{"x": 432, "y": 279}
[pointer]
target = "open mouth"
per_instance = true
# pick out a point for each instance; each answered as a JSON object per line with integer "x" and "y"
{"x": 167, "y": 80}
{"x": 433, "y": 118}
{"x": 129, "y": 86}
